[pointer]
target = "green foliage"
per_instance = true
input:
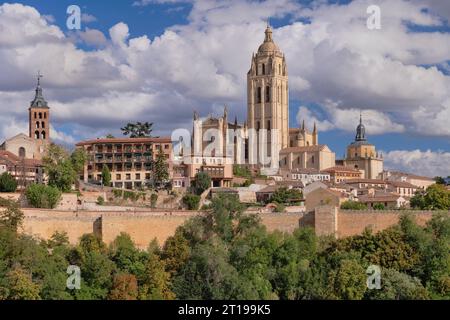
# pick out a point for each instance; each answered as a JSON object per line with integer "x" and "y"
{"x": 353, "y": 205}
{"x": 378, "y": 206}
{"x": 10, "y": 214}
{"x": 7, "y": 183}
{"x": 436, "y": 197}
{"x": 284, "y": 195}
{"x": 191, "y": 201}
{"x": 106, "y": 176}
{"x": 137, "y": 130}
{"x": 42, "y": 196}
{"x": 201, "y": 182}
{"x": 100, "y": 201}
{"x": 161, "y": 170}
{"x": 61, "y": 168}
{"x": 241, "y": 171}
{"x": 226, "y": 253}
{"x": 78, "y": 159}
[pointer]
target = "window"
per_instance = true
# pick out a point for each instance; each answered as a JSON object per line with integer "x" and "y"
{"x": 128, "y": 176}
{"x": 166, "y": 146}
{"x": 45, "y": 115}
{"x": 267, "y": 94}
{"x": 138, "y": 176}
{"x": 43, "y": 134}
{"x": 40, "y": 115}
{"x": 279, "y": 68}
{"x": 36, "y": 135}
{"x": 22, "y": 152}
{"x": 258, "y": 126}
{"x": 268, "y": 124}
{"x": 258, "y": 95}
{"x": 43, "y": 125}
{"x": 118, "y": 177}
{"x": 312, "y": 159}
{"x": 263, "y": 69}
{"x": 35, "y": 115}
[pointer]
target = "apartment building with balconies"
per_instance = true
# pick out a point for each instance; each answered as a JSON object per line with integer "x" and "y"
{"x": 130, "y": 160}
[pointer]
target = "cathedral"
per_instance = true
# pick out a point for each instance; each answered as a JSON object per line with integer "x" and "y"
{"x": 264, "y": 143}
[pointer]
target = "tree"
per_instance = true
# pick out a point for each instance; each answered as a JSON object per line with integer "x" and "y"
{"x": 439, "y": 180}
{"x": 284, "y": 195}
{"x": 78, "y": 159}
{"x": 202, "y": 182}
{"x": 137, "y": 130}
{"x": 109, "y": 136}
{"x": 350, "y": 280}
{"x": 191, "y": 201}
{"x": 106, "y": 176}
{"x": 12, "y": 216}
{"x": 436, "y": 197}
{"x": 156, "y": 281}
{"x": 42, "y": 196}
{"x": 161, "y": 169}
{"x": 59, "y": 167}
{"x": 21, "y": 286}
{"x": 7, "y": 182}
{"x": 175, "y": 253}
{"x": 124, "y": 287}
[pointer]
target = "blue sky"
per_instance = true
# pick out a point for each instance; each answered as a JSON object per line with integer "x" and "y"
{"x": 127, "y": 63}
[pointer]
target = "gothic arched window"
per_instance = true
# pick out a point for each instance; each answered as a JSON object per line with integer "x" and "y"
{"x": 22, "y": 152}
{"x": 36, "y": 134}
{"x": 43, "y": 134}
{"x": 43, "y": 125}
{"x": 258, "y": 95}
{"x": 45, "y": 115}
{"x": 37, "y": 124}
{"x": 267, "y": 94}
{"x": 40, "y": 115}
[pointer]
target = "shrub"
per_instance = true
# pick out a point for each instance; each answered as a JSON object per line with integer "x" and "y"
{"x": 279, "y": 208}
{"x": 153, "y": 199}
{"x": 378, "y": 206}
{"x": 353, "y": 205}
{"x": 117, "y": 193}
{"x": 191, "y": 201}
{"x": 100, "y": 201}
{"x": 201, "y": 183}
{"x": 42, "y": 196}
{"x": 7, "y": 183}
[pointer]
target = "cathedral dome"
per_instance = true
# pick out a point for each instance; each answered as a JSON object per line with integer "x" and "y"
{"x": 268, "y": 44}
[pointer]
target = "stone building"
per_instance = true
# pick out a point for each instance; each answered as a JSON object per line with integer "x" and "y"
{"x": 130, "y": 160}
{"x": 21, "y": 154}
{"x": 362, "y": 155}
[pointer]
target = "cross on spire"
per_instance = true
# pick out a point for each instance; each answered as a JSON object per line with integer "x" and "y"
{"x": 39, "y": 76}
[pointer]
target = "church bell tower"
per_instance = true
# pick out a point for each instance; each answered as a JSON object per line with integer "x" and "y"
{"x": 39, "y": 116}
{"x": 268, "y": 98}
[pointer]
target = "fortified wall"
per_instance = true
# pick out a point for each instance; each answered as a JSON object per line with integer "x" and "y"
{"x": 144, "y": 226}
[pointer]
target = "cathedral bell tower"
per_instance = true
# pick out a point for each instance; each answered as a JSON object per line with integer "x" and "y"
{"x": 39, "y": 116}
{"x": 268, "y": 99}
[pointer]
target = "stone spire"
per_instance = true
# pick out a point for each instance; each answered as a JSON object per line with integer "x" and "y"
{"x": 39, "y": 101}
{"x": 360, "y": 130}
{"x": 315, "y": 128}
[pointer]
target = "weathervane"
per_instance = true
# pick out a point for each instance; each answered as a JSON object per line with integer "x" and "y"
{"x": 39, "y": 76}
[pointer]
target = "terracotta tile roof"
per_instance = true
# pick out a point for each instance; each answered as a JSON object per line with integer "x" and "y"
{"x": 402, "y": 184}
{"x": 11, "y": 159}
{"x": 368, "y": 181}
{"x": 341, "y": 168}
{"x": 320, "y": 147}
{"x": 125, "y": 140}
{"x": 379, "y": 197}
